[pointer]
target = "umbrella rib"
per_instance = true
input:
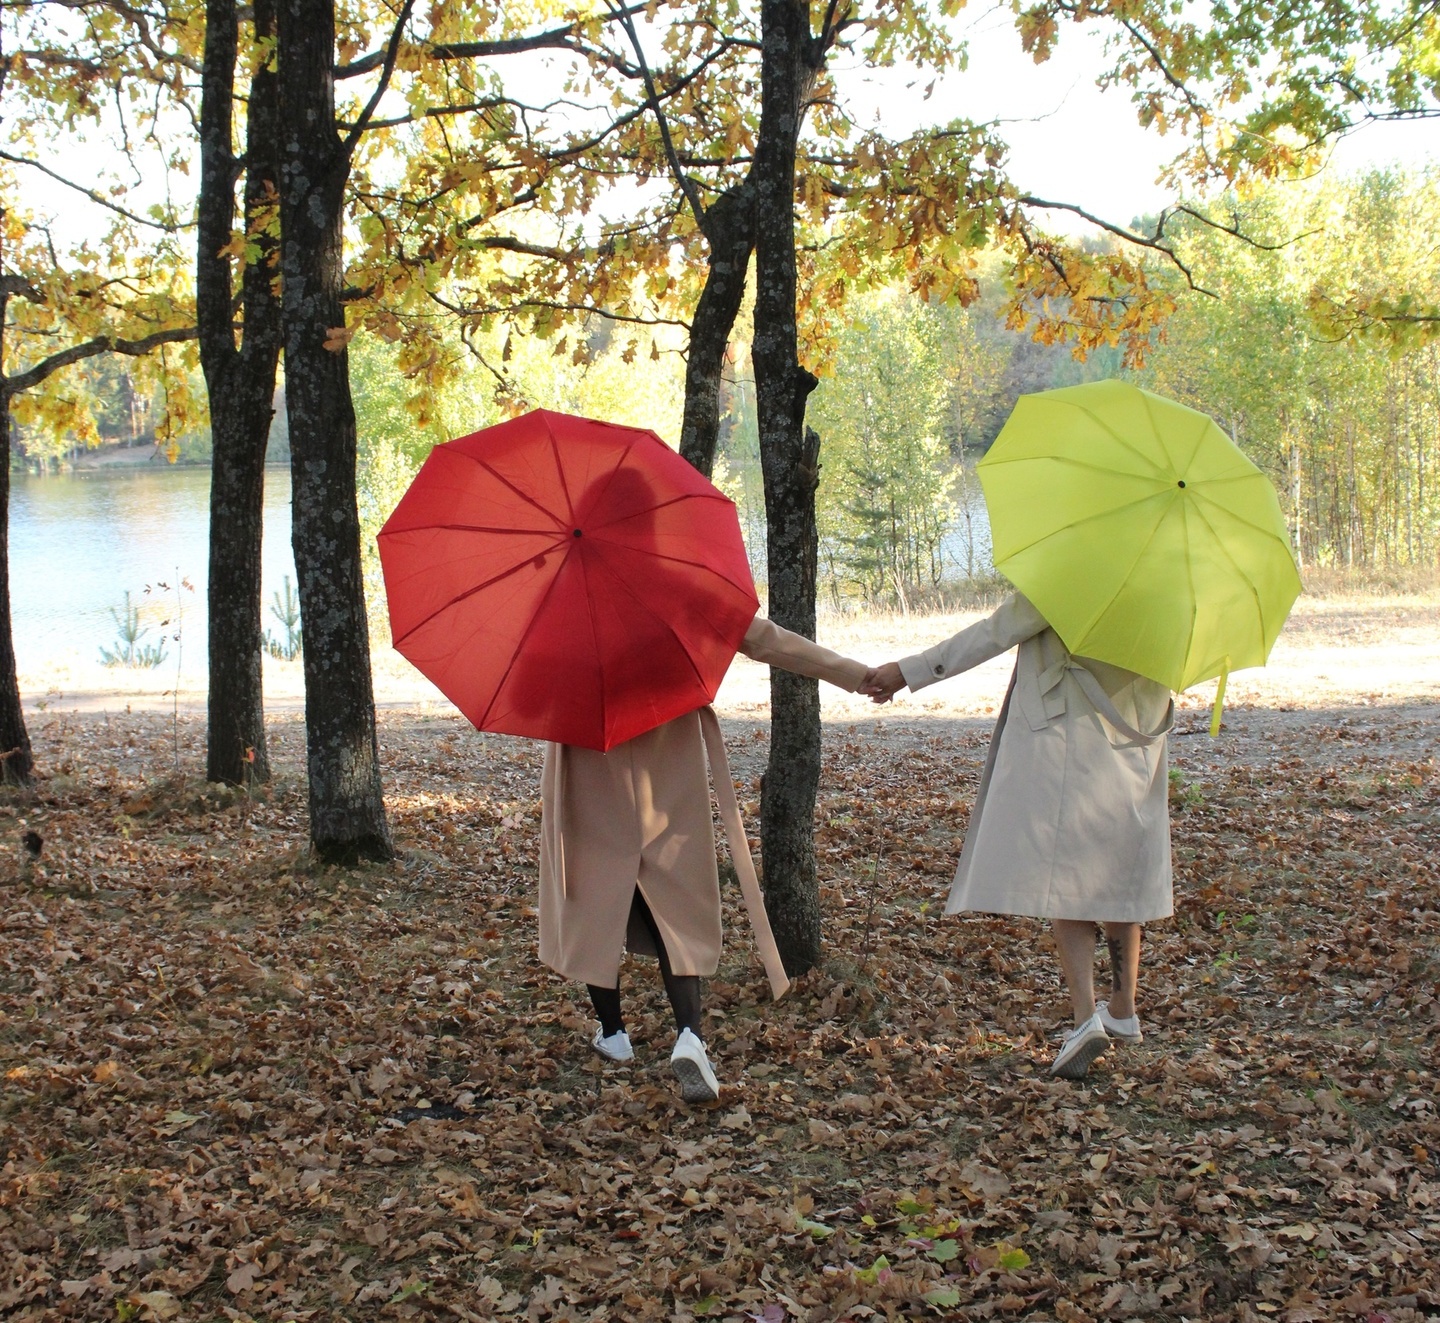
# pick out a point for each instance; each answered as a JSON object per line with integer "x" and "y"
{"x": 1108, "y": 469}
{"x": 1249, "y": 523}
{"x": 1145, "y": 399}
{"x": 560, "y": 469}
{"x": 1205, "y": 421}
{"x": 1239, "y": 573}
{"x": 470, "y": 592}
{"x": 468, "y": 528}
{"x": 645, "y": 607}
{"x": 1190, "y": 584}
{"x": 505, "y": 482}
{"x": 1120, "y": 440}
{"x": 619, "y": 464}
{"x": 680, "y": 560}
{"x": 595, "y": 639}
{"x": 1090, "y": 624}
{"x": 661, "y": 505}
{"x": 1089, "y": 519}
{"x": 1247, "y": 476}
{"x": 519, "y": 643}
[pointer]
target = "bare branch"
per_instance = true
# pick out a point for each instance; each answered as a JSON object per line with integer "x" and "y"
{"x": 1234, "y": 231}
{"x": 98, "y": 198}
{"x": 434, "y": 112}
{"x": 1154, "y": 242}
{"x": 687, "y": 185}
{"x": 562, "y": 38}
{"x": 553, "y": 306}
{"x": 12, "y": 285}
{"x": 101, "y": 344}
{"x": 392, "y": 52}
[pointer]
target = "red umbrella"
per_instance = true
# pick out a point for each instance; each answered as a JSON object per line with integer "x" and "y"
{"x": 566, "y": 579}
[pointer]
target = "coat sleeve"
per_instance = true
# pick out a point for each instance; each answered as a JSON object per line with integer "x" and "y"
{"x": 1012, "y": 622}
{"x": 766, "y": 642}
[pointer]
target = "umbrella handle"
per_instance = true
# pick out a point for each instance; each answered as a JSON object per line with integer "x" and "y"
{"x": 1219, "y": 701}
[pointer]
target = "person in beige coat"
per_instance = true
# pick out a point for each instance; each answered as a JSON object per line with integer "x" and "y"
{"x": 1071, "y": 822}
{"x": 627, "y": 860}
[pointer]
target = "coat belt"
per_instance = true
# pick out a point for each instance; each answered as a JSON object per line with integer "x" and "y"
{"x": 740, "y": 852}
{"x": 1104, "y": 705}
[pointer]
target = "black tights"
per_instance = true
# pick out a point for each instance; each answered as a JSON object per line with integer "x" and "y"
{"x": 682, "y": 989}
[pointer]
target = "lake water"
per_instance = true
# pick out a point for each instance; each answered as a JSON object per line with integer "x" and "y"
{"x": 80, "y": 541}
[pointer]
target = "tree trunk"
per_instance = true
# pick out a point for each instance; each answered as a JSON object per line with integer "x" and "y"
{"x": 789, "y": 455}
{"x": 16, "y": 760}
{"x": 727, "y": 227}
{"x": 241, "y": 385}
{"x": 347, "y": 810}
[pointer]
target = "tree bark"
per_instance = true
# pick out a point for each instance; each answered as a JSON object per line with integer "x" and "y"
{"x": 728, "y": 232}
{"x": 17, "y": 761}
{"x": 241, "y": 386}
{"x": 789, "y": 455}
{"x": 347, "y": 810}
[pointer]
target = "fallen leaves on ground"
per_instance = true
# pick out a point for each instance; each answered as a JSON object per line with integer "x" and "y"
{"x": 238, "y": 1085}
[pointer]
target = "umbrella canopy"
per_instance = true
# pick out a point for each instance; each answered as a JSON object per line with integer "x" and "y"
{"x": 567, "y": 579}
{"x": 1139, "y": 531}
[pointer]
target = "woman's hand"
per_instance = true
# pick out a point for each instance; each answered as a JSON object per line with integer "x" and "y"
{"x": 883, "y": 682}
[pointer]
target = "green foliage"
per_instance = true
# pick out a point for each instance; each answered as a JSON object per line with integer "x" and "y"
{"x": 1346, "y": 424}
{"x": 286, "y": 610}
{"x": 128, "y": 649}
{"x": 887, "y": 469}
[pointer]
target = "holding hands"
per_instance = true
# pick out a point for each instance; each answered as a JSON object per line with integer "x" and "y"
{"x": 883, "y": 682}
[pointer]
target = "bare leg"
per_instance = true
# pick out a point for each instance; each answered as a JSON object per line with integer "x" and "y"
{"x": 1123, "y": 939}
{"x": 1075, "y": 940}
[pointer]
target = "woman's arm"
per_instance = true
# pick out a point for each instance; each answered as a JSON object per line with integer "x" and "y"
{"x": 766, "y": 642}
{"x": 1012, "y": 622}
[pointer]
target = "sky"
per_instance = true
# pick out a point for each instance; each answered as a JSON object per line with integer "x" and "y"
{"x": 1070, "y": 142}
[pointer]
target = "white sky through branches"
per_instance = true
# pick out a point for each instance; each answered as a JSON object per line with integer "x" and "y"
{"x": 1069, "y": 141}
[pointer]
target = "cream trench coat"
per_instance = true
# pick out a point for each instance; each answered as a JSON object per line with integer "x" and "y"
{"x": 1072, "y": 817}
{"x": 639, "y": 815}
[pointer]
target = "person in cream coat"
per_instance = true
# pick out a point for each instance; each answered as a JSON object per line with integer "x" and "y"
{"x": 1071, "y": 820}
{"x": 627, "y": 860}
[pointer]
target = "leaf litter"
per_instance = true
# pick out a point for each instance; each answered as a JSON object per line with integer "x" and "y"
{"x": 240, "y": 1086}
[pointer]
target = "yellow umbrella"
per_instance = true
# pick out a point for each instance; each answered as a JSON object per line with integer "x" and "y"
{"x": 1140, "y": 532}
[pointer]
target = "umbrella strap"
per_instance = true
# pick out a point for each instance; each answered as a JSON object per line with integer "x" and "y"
{"x": 1105, "y": 706}
{"x": 740, "y": 852}
{"x": 1219, "y": 707}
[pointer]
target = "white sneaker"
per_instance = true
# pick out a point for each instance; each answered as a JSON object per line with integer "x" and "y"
{"x": 1127, "y": 1030}
{"x": 1081, "y": 1046}
{"x": 692, "y": 1069}
{"x": 614, "y": 1048}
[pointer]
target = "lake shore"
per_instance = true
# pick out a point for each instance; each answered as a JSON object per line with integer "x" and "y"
{"x": 1339, "y": 651}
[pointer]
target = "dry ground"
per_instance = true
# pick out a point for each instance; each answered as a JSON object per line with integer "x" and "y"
{"x": 236, "y": 1085}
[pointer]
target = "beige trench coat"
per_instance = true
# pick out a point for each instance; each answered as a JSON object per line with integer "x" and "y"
{"x": 639, "y": 815}
{"x": 1072, "y": 817}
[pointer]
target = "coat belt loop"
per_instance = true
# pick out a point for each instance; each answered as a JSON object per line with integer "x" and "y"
{"x": 740, "y": 853}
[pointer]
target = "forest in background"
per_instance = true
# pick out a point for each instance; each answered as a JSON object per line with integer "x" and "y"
{"x": 1347, "y": 424}
{"x": 915, "y": 390}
